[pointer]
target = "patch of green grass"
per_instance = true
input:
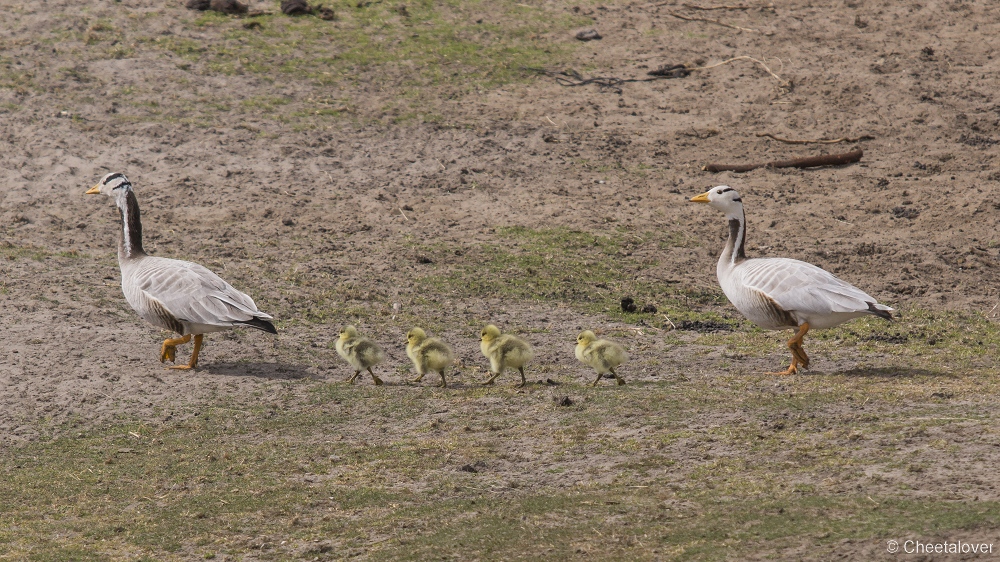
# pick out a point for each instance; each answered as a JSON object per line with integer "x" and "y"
{"x": 939, "y": 339}
{"x": 589, "y": 271}
{"x": 11, "y": 252}
{"x": 434, "y": 43}
{"x": 646, "y": 471}
{"x": 413, "y": 59}
{"x": 12, "y": 77}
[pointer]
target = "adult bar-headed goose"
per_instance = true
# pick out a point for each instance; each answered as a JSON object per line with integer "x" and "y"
{"x": 781, "y": 293}
{"x": 172, "y": 294}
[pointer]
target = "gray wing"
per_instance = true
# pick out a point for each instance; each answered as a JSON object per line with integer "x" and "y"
{"x": 799, "y": 286}
{"x": 192, "y": 293}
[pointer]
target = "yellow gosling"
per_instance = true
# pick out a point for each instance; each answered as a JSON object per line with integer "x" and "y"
{"x": 602, "y": 355}
{"x": 361, "y": 352}
{"x": 504, "y": 350}
{"x": 428, "y": 354}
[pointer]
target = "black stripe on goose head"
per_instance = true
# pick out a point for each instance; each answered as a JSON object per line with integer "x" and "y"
{"x": 116, "y": 180}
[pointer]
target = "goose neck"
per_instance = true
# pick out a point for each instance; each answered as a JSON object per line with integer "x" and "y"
{"x": 734, "y": 252}
{"x": 130, "y": 241}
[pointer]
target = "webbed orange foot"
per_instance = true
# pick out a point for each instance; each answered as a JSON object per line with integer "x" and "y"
{"x": 172, "y": 344}
{"x": 168, "y": 352}
{"x": 791, "y": 370}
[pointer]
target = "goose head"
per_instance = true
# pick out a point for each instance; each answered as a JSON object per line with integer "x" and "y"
{"x": 114, "y": 185}
{"x": 723, "y": 198}
{"x": 585, "y": 338}
{"x": 489, "y": 333}
{"x": 415, "y": 336}
{"x": 348, "y": 332}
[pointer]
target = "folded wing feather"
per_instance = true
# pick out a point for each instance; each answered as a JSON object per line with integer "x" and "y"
{"x": 192, "y": 293}
{"x": 799, "y": 286}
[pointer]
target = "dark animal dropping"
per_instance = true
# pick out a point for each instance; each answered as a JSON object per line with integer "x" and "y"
{"x": 228, "y": 7}
{"x": 295, "y": 8}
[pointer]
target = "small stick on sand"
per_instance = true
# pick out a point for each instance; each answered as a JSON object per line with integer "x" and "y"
{"x": 806, "y": 162}
{"x": 716, "y": 22}
{"x": 667, "y": 318}
{"x": 784, "y": 84}
{"x": 710, "y": 8}
{"x": 817, "y": 141}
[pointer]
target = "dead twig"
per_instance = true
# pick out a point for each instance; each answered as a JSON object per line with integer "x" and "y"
{"x": 571, "y": 78}
{"x": 806, "y": 162}
{"x": 817, "y": 141}
{"x": 667, "y": 318}
{"x": 785, "y": 85}
{"x": 710, "y": 8}
{"x": 716, "y": 22}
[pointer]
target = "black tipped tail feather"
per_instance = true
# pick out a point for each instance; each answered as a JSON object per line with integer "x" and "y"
{"x": 873, "y": 308}
{"x": 260, "y": 324}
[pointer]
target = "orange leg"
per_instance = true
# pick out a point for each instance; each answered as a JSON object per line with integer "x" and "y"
{"x": 194, "y": 355}
{"x": 799, "y": 357}
{"x": 169, "y": 350}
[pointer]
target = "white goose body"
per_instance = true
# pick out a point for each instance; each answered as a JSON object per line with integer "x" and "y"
{"x": 782, "y": 293}
{"x": 183, "y": 296}
{"x": 172, "y": 294}
{"x": 801, "y": 291}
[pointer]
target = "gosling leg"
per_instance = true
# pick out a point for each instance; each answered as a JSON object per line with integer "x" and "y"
{"x": 194, "y": 355}
{"x": 524, "y": 381}
{"x": 418, "y": 379}
{"x": 376, "y": 380}
{"x": 597, "y": 380}
{"x": 352, "y": 378}
{"x": 444, "y": 382}
{"x": 621, "y": 381}
{"x": 491, "y": 379}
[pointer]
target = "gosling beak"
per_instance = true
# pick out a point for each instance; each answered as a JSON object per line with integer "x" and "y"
{"x": 93, "y": 190}
{"x": 703, "y": 198}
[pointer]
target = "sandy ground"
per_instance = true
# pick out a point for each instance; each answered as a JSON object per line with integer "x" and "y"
{"x": 327, "y": 219}
{"x": 914, "y": 223}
